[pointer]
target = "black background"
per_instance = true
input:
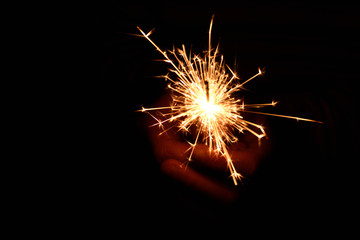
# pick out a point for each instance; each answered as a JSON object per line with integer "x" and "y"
{"x": 310, "y": 54}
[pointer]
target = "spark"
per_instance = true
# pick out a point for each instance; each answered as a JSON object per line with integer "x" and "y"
{"x": 203, "y": 99}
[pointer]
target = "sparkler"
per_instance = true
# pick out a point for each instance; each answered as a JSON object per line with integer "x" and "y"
{"x": 203, "y": 96}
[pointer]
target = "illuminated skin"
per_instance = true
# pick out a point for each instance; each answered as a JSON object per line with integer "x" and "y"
{"x": 203, "y": 99}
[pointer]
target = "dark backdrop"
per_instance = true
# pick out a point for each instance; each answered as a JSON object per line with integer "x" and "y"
{"x": 310, "y": 54}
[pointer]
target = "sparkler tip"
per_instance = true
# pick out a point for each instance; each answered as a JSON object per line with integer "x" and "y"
{"x": 236, "y": 176}
{"x": 143, "y": 33}
{"x": 141, "y": 110}
{"x": 273, "y": 103}
{"x": 261, "y": 71}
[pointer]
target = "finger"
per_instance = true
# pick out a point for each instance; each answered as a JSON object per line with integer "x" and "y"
{"x": 248, "y": 159}
{"x": 172, "y": 149}
{"x": 244, "y": 161}
{"x": 246, "y": 156}
{"x": 206, "y": 157}
{"x": 197, "y": 181}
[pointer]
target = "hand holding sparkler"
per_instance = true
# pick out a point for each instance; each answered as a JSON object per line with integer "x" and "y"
{"x": 172, "y": 152}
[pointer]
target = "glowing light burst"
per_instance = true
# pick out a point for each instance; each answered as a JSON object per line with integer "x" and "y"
{"x": 203, "y": 89}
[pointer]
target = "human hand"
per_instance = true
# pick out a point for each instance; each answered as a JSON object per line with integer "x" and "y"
{"x": 172, "y": 152}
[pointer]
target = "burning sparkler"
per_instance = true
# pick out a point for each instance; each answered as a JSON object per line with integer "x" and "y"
{"x": 203, "y": 89}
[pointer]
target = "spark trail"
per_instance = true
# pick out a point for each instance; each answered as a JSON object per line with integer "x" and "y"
{"x": 203, "y": 97}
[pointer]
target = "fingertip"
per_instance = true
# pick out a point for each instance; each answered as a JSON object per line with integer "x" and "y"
{"x": 197, "y": 181}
